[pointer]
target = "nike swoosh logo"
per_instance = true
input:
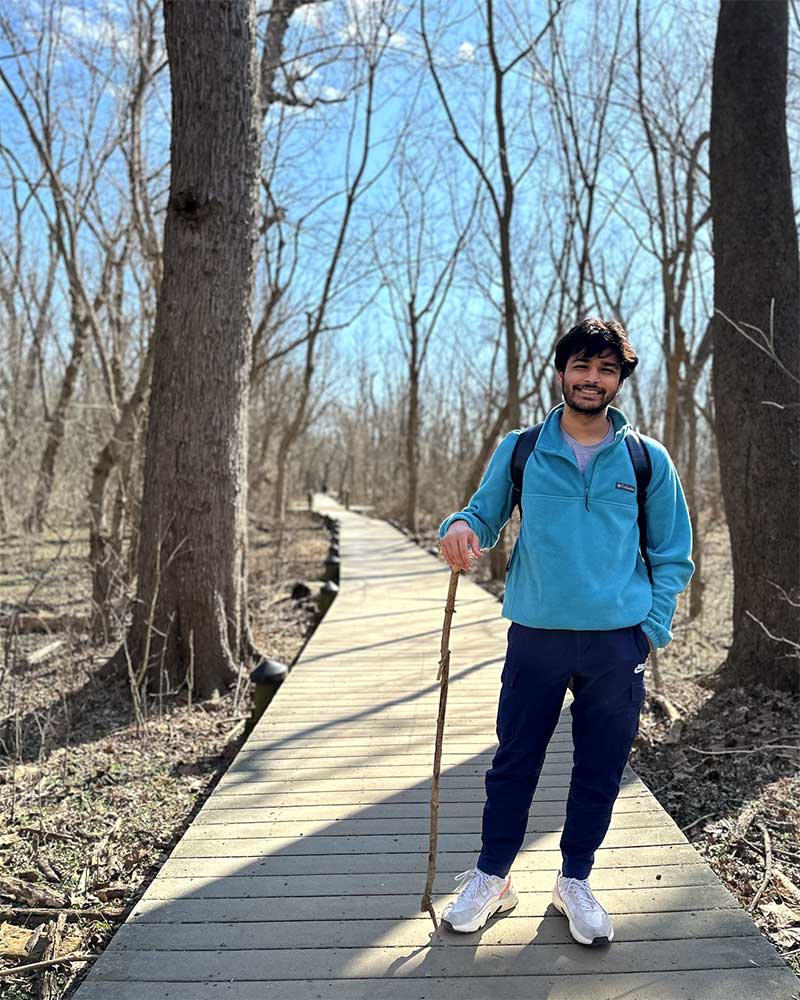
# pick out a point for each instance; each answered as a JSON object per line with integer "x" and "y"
{"x": 639, "y": 668}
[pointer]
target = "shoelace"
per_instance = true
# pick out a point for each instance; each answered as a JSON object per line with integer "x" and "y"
{"x": 478, "y": 880}
{"x": 578, "y": 890}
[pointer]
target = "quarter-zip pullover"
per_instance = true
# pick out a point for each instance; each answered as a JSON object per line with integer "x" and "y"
{"x": 576, "y": 564}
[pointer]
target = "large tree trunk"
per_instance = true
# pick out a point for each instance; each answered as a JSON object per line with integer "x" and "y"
{"x": 190, "y": 612}
{"x": 756, "y": 396}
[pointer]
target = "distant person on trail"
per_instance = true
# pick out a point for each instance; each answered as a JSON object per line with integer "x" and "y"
{"x": 583, "y": 613}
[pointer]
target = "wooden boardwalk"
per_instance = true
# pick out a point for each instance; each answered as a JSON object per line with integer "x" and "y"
{"x": 302, "y": 874}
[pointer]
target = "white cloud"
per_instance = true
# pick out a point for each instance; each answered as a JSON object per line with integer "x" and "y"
{"x": 466, "y": 51}
{"x": 95, "y": 26}
{"x": 312, "y": 15}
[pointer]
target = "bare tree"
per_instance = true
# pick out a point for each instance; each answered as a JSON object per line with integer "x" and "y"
{"x": 417, "y": 269}
{"x": 757, "y": 288}
{"x": 676, "y": 217}
{"x": 501, "y": 191}
{"x": 375, "y": 36}
{"x": 63, "y": 197}
{"x": 190, "y": 614}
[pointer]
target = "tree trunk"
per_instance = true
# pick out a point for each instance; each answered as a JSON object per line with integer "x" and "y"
{"x": 412, "y": 430}
{"x": 693, "y": 501}
{"x": 191, "y": 607}
{"x": 108, "y": 569}
{"x": 281, "y": 473}
{"x": 34, "y": 521}
{"x": 756, "y": 396}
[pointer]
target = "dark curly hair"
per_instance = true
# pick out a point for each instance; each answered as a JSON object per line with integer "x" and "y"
{"x": 591, "y": 337}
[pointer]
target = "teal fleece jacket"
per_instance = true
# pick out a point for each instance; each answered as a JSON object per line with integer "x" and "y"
{"x": 576, "y": 564}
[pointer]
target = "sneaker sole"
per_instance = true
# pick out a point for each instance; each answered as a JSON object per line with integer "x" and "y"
{"x": 594, "y": 942}
{"x": 508, "y": 903}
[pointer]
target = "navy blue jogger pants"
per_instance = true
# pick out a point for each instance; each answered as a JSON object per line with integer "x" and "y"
{"x": 607, "y": 671}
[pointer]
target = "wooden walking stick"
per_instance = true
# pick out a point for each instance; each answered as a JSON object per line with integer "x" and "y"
{"x": 443, "y": 677}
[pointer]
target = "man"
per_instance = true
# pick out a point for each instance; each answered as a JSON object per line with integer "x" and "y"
{"x": 583, "y": 614}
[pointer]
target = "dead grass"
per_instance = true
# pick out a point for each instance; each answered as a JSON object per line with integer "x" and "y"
{"x": 91, "y": 807}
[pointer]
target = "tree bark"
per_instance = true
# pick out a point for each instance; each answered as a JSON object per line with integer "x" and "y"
{"x": 190, "y": 612}
{"x": 757, "y": 282}
{"x": 412, "y": 425}
{"x": 693, "y": 499}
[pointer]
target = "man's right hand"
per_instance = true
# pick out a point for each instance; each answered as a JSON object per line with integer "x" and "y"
{"x": 458, "y": 540}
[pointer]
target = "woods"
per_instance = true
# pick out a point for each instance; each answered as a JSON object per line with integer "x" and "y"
{"x": 756, "y": 352}
{"x": 255, "y": 251}
{"x": 467, "y": 264}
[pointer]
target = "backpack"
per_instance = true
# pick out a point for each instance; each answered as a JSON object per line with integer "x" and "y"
{"x": 642, "y": 468}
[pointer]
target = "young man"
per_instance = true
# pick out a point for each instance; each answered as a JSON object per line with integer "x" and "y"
{"x": 582, "y": 609}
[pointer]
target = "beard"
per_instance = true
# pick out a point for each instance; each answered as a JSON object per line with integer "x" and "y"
{"x": 587, "y": 404}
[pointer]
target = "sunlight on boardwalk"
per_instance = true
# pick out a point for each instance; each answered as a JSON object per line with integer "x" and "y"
{"x": 302, "y": 874}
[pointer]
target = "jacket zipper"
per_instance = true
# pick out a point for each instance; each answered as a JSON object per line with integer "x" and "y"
{"x": 594, "y": 472}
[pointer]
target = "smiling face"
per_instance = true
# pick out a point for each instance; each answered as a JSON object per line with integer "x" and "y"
{"x": 590, "y": 384}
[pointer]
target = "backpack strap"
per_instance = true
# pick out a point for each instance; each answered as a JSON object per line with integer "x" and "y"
{"x": 643, "y": 470}
{"x": 523, "y": 447}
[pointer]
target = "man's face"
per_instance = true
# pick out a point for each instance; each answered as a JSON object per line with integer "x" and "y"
{"x": 590, "y": 384}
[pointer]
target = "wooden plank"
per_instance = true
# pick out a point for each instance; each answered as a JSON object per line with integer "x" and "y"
{"x": 417, "y": 753}
{"x": 378, "y": 962}
{"x": 320, "y": 907}
{"x": 627, "y": 811}
{"x": 715, "y": 984}
{"x": 274, "y": 793}
{"x": 380, "y": 782}
{"x": 369, "y": 767}
{"x": 328, "y": 844}
{"x": 228, "y": 827}
{"x": 449, "y": 861}
{"x": 530, "y": 929}
{"x": 382, "y": 883}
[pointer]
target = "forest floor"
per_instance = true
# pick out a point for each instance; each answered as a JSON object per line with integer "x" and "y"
{"x": 92, "y": 803}
{"x": 731, "y": 780}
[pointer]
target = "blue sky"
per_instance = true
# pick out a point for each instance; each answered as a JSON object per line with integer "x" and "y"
{"x": 314, "y": 151}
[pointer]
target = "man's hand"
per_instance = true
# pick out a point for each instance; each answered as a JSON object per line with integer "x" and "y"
{"x": 458, "y": 543}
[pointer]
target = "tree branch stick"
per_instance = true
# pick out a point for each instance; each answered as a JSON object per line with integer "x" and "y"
{"x": 443, "y": 676}
{"x": 21, "y": 970}
{"x": 767, "y": 868}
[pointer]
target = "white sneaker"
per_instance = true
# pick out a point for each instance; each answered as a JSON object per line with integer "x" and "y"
{"x": 481, "y": 896}
{"x": 589, "y": 923}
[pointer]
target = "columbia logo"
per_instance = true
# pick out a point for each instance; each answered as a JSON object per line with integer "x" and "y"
{"x": 626, "y": 486}
{"x": 639, "y": 668}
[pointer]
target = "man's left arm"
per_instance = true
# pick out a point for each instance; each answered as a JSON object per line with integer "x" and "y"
{"x": 669, "y": 545}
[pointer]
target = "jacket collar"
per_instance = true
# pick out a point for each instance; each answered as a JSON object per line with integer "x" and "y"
{"x": 551, "y": 440}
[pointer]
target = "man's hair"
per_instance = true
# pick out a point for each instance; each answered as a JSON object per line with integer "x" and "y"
{"x": 591, "y": 337}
